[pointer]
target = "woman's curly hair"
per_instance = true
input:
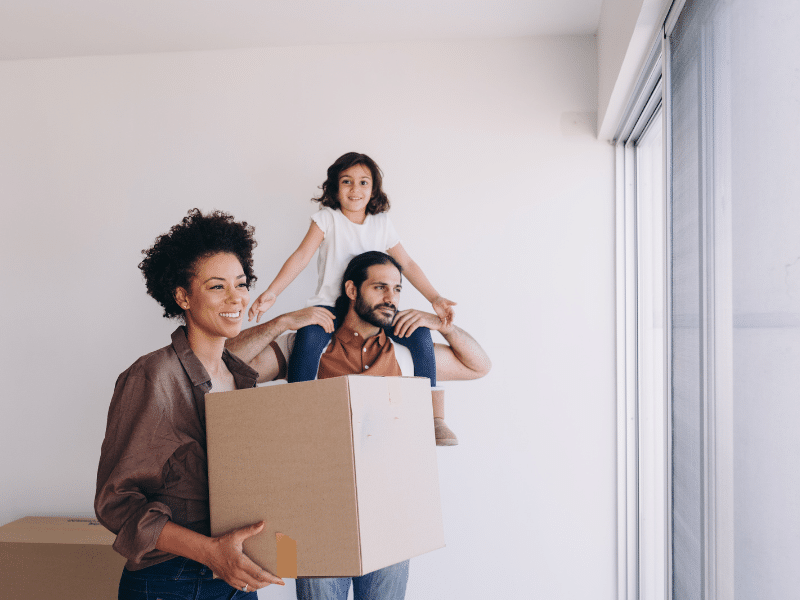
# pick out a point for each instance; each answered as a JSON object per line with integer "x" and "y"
{"x": 170, "y": 262}
{"x": 379, "y": 201}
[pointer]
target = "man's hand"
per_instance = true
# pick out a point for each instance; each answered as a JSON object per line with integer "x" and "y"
{"x": 229, "y": 563}
{"x": 461, "y": 358}
{"x": 407, "y": 321}
{"x": 252, "y": 345}
{"x": 312, "y": 315}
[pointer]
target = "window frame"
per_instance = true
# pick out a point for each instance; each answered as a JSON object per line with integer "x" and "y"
{"x": 649, "y": 98}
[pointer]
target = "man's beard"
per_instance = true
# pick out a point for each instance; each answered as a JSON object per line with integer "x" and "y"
{"x": 372, "y": 314}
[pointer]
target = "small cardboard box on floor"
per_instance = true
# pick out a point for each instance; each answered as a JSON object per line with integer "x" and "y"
{"x": 343, "y": 471}
{"x": 58, "y": 557}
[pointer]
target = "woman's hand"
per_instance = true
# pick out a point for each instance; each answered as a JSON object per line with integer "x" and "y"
{"x": 262, "y": 304}
{"x": 229, "y": 563}
{"x": 223, "y": 554}
{"x": 444, "y": 309}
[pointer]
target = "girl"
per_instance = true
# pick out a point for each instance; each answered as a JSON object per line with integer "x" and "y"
{"x": 353, "y": 219}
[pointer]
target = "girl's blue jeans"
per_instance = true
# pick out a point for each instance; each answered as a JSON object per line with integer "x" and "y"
{"x": 311, "y": 341}
{"x": 177, "y": 579}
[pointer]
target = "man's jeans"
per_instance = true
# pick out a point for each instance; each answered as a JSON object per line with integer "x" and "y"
{"x": 384, "y": 584}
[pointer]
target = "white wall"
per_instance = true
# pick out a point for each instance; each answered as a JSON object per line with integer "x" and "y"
{"x": 501, "y": 191}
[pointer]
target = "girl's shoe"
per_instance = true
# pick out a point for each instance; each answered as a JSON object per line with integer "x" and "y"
{"x": 444, "y": 435}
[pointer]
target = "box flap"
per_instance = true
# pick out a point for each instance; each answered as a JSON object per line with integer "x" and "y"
{"x": 56, "y": 530}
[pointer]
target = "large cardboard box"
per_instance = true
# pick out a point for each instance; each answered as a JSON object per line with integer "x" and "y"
{"x": 58, "y": 557}
{"x": 343, "y": 471}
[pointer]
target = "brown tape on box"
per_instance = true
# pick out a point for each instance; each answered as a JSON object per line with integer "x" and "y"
{"x": 287, "y": 556}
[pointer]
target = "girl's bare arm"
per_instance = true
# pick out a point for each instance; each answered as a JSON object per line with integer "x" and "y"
{"x": 293, "y": 266}
{"x": 414, "y": 273}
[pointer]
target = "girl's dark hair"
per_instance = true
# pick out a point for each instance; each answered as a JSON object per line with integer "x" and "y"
{"x": 356, "y": 272}
{"x": 170, "y": 262}
{"x": 379, "y": 201}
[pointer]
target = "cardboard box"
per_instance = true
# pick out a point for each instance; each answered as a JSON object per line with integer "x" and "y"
{"x": 344, "y": 468}
{"x": 58, "y": 557}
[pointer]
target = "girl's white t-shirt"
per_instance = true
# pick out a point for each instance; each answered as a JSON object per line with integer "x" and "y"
{"x": 344, "y": 240}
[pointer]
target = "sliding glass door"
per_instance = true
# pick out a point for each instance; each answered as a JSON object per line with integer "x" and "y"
{"x": 734, "y": 285}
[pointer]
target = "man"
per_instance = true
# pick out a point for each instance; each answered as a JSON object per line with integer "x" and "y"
{"x": 370, "y": 294}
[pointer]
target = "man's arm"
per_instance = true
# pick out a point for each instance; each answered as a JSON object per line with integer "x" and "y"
{"x": 463, "y": 358}
{"x": 252, "y": 345}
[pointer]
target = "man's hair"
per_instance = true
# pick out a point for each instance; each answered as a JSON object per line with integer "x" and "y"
{"x": 170, "y": 262}
{"x": 379, "y": 201}
{"x": 356, "y": 272}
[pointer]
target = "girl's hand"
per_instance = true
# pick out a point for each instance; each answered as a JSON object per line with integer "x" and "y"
{"x": 228, "y": 562}
{"x": 261, "y": 305}
{"x": 444, "y": 309}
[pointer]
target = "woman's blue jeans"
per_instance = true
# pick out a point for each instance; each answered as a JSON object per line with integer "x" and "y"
{"x": 177, "y": 579}
{"x": 384, "y": 584}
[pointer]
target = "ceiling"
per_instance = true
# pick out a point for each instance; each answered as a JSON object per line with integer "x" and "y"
{"x": 58, "y": 28}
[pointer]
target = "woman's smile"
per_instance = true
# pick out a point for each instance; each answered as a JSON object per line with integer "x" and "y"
{"x": 218, "y": 297}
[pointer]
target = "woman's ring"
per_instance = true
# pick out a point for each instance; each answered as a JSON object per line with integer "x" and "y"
{"x": 244, "y": 587}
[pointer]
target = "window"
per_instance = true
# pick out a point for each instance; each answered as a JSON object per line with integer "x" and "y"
{"x": 709, "y": 308}
{"x": 735, "y": 223}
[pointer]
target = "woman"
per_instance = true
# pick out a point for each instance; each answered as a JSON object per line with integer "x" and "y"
{"x": 152, "y": 481}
